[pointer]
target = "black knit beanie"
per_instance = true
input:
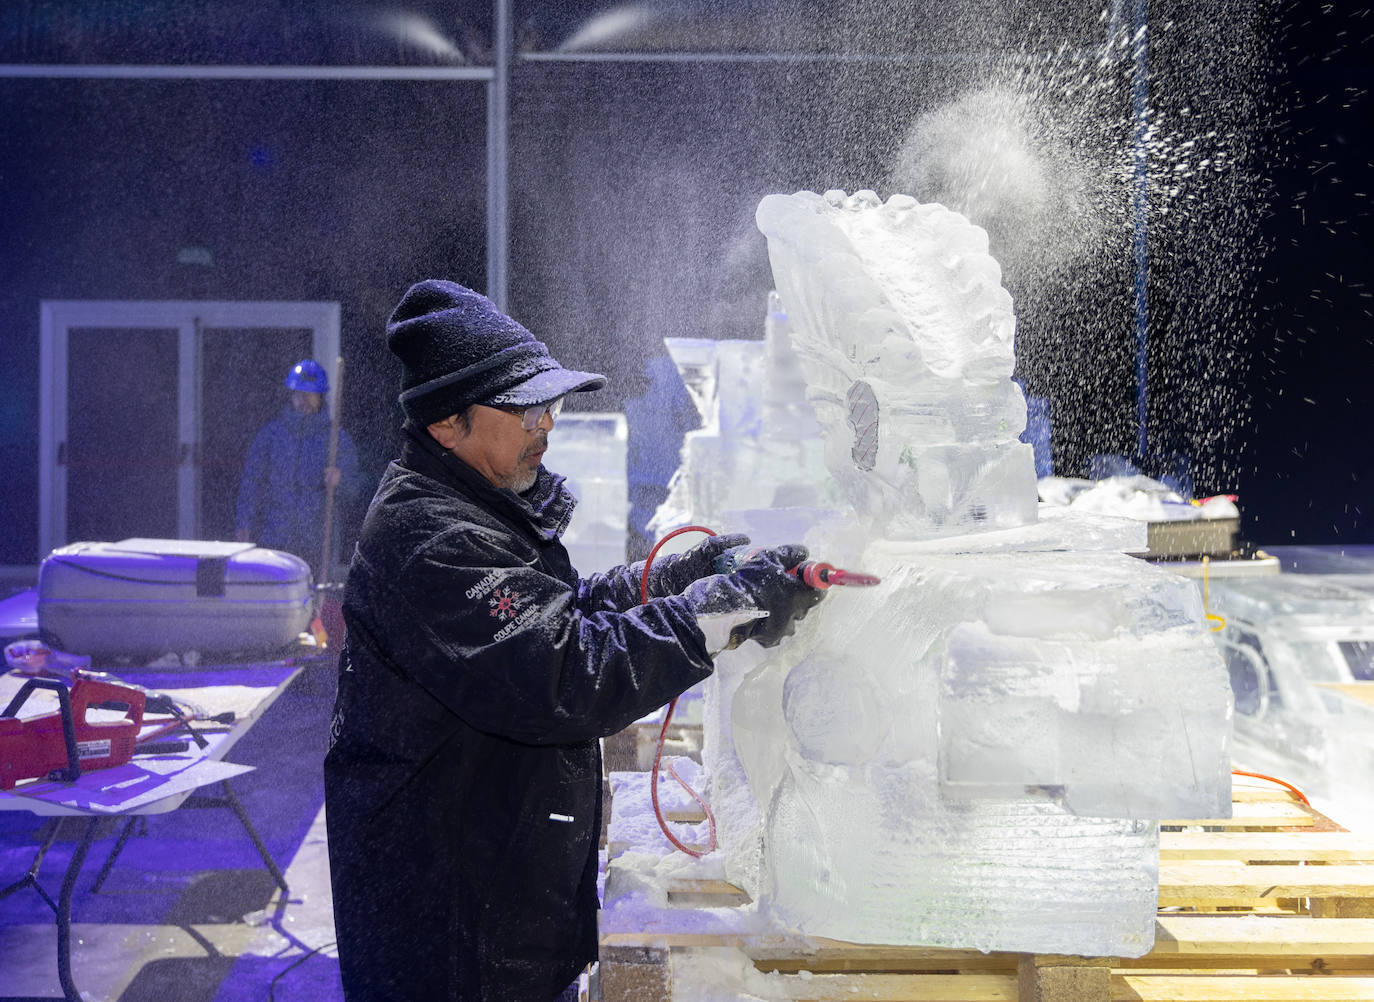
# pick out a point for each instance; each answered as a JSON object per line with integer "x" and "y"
{"x": 459, "y": 349}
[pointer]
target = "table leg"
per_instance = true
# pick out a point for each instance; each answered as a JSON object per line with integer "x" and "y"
{"x": 30, "y": 879}
{"x": 253, "y": 834}
{"x": 123, "y": 839}
{"x": 64, "y": 911}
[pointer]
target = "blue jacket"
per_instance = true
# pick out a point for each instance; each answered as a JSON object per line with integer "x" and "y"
{"x": 463, "y": 780}
{"x": 281, "y": 495}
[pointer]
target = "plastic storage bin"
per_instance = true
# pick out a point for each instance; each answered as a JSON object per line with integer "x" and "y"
{"x": 142, "y": 598}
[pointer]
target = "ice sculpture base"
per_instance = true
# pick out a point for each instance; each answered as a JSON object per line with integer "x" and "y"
{"x": 1005, "y": 875}
{"x": 975, "y": 753}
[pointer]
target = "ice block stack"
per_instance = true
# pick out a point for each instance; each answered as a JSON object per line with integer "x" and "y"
{"x": 591, "y": 455}
{"x": 759, "y": 445}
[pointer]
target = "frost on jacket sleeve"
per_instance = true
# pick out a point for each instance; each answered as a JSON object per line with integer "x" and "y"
{"x": 618, "y": 589}
{"x": 615, "y": 590}
{"x": 505, "y": 647}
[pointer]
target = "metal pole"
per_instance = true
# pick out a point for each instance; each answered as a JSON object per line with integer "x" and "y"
{"x": 1140, "y": 99}
{"x": 498, "y": 157}
{"x": 327, "y": 545}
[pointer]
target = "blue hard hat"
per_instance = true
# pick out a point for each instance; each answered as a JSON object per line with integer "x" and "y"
{"x": 307, "y": 375}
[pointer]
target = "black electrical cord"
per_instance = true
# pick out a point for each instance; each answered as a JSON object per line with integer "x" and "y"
{"x": 165, "y": 704}
{"x": 272, "y": 988}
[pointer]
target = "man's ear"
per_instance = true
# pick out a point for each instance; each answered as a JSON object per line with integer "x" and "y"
{"x": 444, "y": 431}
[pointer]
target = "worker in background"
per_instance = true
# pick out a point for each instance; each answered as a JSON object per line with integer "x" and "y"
{"x": 281, "y": 501}
{"x": 463, "y": 780}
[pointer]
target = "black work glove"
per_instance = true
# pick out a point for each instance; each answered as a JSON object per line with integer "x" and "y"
{"x": 762, "y": 582}
{"x": 673, "y": 573}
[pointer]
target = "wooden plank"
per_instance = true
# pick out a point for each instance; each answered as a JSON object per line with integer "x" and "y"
{"x": 1343, "y": 907}
{"x": 685, "y": 815}
{"x": 1258, "y": 815}
{"x": 1312, "y": 847}
{"x": 1122, "y": 988}
{"x": 1204, "y": 988}
{"x": 1261, "y": 794}
{"x": 1243, "y": 935}
{"x": 898, "y": 988}
{"x": 1251, "y": 966}
{"x": 1062, "y": 979}
{"x": 1224, "y": 880}
{"x": 1363, "y": 691}
{"x": 628, "y": 974}
{"x": 725, "y": 891}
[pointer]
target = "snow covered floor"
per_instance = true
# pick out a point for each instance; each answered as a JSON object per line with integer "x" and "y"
{"x": 189, "y": 914}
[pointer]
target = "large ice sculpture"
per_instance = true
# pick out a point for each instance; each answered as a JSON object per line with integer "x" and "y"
{"x": 906, "y": 345}
{"x": 974, "y": 753}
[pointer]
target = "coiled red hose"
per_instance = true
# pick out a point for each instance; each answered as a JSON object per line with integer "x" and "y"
{"x": 667, "y": 719}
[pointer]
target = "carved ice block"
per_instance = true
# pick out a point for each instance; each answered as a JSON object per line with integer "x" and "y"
{"x": 974, "y": 753}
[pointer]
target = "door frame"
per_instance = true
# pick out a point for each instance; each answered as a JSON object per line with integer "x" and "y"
{"x": 189, "y": 318}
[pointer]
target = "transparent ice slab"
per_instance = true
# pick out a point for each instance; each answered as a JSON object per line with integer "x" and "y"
{"x": 1299, "y": 650}
{"x": 759, "y": 445}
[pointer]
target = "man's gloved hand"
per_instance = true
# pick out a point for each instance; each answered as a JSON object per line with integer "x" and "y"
{"x": 762, "y": 582}
{"x": 673, "y": 573}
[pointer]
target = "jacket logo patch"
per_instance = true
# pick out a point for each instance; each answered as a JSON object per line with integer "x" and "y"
{"x": 518, "y": 614}
{"x": 483, "y": 586}
{"x": 504, "y": 603}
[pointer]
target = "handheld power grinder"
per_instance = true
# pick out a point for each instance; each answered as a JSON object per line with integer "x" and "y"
{"x": 816, "y": 573}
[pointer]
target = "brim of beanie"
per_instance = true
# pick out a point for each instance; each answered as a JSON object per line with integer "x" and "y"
{"x": 548, "y": 385}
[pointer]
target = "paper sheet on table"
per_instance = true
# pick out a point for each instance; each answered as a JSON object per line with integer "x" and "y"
{"x": 136, "y": 784}
{"x": 243, "y": 700}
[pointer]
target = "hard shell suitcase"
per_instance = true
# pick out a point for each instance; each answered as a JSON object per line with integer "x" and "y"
{"x": 142, "y": 598}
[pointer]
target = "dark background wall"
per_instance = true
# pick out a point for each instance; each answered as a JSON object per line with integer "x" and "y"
{"x": 1307, "y": 471}
{"x": 633, "y": 187}
{"x": 323, "y": 190}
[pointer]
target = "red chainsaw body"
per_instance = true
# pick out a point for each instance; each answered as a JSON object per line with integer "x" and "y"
{"x": 35, "y": 748}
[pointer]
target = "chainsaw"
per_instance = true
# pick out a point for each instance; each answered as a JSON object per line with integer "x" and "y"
{"x": 64, "y": 744}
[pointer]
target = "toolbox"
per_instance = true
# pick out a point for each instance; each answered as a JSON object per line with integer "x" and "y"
{"x": 142, "y": 598}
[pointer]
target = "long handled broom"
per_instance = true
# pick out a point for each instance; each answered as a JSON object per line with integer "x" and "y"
{"x": 323, "y": 587}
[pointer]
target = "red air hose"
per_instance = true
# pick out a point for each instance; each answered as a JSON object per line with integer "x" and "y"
{"x": 1274, "y": 779}
{"x": 667, "y": 719}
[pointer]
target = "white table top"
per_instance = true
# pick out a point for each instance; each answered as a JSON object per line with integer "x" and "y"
{"x": 155, "y": 784}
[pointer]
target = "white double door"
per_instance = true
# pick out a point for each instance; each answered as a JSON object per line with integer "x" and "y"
{"x": 147, "y": 409}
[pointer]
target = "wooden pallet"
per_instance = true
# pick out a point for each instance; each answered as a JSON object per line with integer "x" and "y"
{"x": 1273, "y": 905}
{"x": 632, "y": 750}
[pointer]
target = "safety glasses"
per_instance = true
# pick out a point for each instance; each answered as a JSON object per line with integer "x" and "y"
{"x": 531, "y": 416}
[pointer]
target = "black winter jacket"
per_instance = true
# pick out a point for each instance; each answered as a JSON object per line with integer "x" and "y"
{"x": 463, "y": 780}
